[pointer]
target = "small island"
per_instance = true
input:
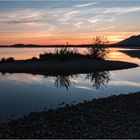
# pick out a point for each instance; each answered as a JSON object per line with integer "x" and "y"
{"x": 82, "y": 65}
{"x": 67, "y": 61}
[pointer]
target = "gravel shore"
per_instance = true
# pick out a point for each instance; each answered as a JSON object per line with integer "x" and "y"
{"x": 112, "y": 117}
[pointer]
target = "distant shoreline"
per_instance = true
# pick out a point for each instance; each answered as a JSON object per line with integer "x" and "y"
{"x": 70, "y": 46}
{"x": 81, "y": 65}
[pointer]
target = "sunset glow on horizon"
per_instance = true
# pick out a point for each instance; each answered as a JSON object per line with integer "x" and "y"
{"x": 75, "y": 22}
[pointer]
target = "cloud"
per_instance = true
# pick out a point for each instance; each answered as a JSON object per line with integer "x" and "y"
{"x": 58, "y": 20}
{"x": 94, "y": 20}
{"x": 124, "y": 83}
{"x": 68, "y": 15}
{"x": 79, "y": 24}
{"x": 121, "y": 10}
{"x": 20, "y": 16}
{"x": 86, "y": 88}
{"x": 19, "y": 21}
{"x": 104, "y": 29}
{"x": 86, "y": 4}
{"x": 54, "y": 15}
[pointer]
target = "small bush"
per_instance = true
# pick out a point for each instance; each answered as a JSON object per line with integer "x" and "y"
{"x": 34, "y": 59}
{"x": 8, "y": 60}
{"x": 3, "y": 60}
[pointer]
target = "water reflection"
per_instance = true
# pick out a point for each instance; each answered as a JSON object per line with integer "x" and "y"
{"x": 97, "y": 79}
{"x": 62, "y": 81}
{"x": 132, "y": 53}
{"x": 22, "y": 93}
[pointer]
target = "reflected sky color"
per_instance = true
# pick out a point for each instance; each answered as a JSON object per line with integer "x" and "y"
{"x": 22, "y": 93}
{"x": 56, "y": 22}
{"x": 27, "y": 53}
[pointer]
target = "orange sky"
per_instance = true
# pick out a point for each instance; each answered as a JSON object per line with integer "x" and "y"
{"x": 32, "y": 38}
{"x": 76, "y": 22}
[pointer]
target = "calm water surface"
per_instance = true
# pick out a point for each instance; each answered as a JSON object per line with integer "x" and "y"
{"x": 24, "y": 93}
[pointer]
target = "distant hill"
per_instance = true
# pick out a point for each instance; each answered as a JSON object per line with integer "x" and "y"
{"x": 131, "y": 41}
{"x": 39, "y": 46}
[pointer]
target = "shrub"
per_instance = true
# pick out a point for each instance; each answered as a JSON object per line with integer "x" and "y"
{"x": 8, "y": 60}
{"x": 3, "y": 60}
{"x": 97, "y": 48}
{"x": 33, "y": 59}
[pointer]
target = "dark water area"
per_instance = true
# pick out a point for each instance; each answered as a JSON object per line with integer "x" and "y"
{"x": 132, "y": 53}
{"x": 23, "y": 93}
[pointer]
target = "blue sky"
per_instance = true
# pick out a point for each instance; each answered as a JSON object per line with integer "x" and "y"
{"x": 56, "y": 22}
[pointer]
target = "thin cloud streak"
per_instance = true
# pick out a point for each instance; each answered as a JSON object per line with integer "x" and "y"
{"x": 64, "y": 14}
{"x": 86, "y": 4}
{"x": 19, "y": 21}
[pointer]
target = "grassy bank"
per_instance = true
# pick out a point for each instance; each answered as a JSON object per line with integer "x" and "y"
{"x": 112, "y": 117}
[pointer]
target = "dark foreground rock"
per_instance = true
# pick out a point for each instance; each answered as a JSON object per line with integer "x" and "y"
{"x": 112, "y": 117}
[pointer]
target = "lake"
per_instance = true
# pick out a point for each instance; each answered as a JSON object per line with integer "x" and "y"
{"x": 23, "y": 93}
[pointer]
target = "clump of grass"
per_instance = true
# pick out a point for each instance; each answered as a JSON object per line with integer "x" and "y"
{"x": 8, "y": 60}
{"x": 33, "y": 59}
{"x": 64, "y": 53}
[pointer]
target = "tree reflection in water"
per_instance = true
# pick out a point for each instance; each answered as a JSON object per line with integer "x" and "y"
{"x": 64, "y": 80}
{"x": 97, "y": 79}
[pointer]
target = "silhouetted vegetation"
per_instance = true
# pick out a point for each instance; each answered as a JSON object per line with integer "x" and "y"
{"x": 64, "y": 81}
{"x": 99, "y": 79}
{"x": 98, "y": 49}
{"x": 8, "y": 60}
{"x": 64, "y": 53}
{"x": 33, "y": 59}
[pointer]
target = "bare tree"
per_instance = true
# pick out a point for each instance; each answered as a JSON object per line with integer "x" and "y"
{"x": 97, "y": 48}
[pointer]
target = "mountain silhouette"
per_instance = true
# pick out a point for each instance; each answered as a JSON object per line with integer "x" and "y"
{"x": 131, "y": 41}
